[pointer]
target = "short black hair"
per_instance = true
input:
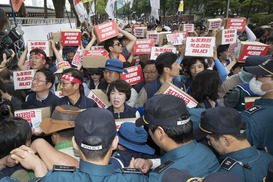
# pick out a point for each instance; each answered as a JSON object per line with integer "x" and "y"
{"x": 121, "y": 86}
{"x": 66, "y": 134}
{"x": 259, "y": 32}
{"x": 37, "y": 50}
{"x": 3, "y": 19}
{"x": 241, "y": 136}
{"x": 76, "y": 74}
{"x": 109, "y": 43}
{"x": 95, "y": 154}
{"x": 5, "y": 74}
{"x": 188, "y": 61}
{"x": 149, "y": 62}
{"x": 50, "y": 78}
{"x": 222, "y": 48}
{"x": 179, "y": 134}
{"x": 14, "y": 132}
{"x": 165, "y": 59}
{"x": 206, "y": 84}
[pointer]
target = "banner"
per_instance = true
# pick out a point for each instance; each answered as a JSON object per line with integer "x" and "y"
{"x": 81, "y": 11}
{"x": 110, "y": 8}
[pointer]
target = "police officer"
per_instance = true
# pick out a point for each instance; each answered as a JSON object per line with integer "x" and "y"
{"x": 170, "y": 127}
{"x": 95, "y": 138}
{"x": 222, "y": 128}
{"x": 259, "y": 118}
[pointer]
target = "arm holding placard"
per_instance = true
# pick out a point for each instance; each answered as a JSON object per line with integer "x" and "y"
{"x": 22, "y": 60}
{"x": 56, "y": 52}
{"x": 251, "y": 37}
{"x": 93, "y": 40}
{"x": 222, "y": 71}
{"x": 232, "y": 63}
{"x": 132, "y": 39}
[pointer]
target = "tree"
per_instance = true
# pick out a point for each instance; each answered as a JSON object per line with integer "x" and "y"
{"x": 59, "y": 6}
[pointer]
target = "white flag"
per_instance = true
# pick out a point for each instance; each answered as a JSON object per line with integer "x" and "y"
{"x": 110, "y": 8}
{"x": 80, "y": 10}
{"x": 155, "y": 4}
{"x": 131, "y": 5}
{"x": 92, "y": 9}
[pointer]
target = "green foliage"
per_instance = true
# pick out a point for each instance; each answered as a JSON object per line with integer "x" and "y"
{"x": 101, "y": 5}
{"x": 262, "y": 19}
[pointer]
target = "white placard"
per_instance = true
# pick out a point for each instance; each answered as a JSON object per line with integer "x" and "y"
{"x": 200, "y": 46}
{"x": 23, "y": 79}
{"x": 158, "y": 50}
{"x": 33, "y": 117}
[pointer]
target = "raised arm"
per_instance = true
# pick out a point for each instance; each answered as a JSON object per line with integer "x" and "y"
{"x": 132, "y": 39}
{"x": 21, "y": 61}
{"x": 56, "y": 52}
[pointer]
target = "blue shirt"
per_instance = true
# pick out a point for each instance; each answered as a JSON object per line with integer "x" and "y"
{"x": 257, "y": 161}
{"x": 194, "y": 158}
{"x": 259, "y": 123}
{"x": 92, "y": 172}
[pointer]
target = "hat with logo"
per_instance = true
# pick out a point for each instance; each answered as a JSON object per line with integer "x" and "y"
{"x": 114, "y": 65}
{"x": 95, "y": 123}
{"x": 219, "y": 120}
{"x": 265, "y": 68}
{"x": 63, "y": 117}
{"x": 164, "y": 110}
{"x": 174, "y": 174}
{"x": 134, "y": 138}
{"x": 61, "y": 66}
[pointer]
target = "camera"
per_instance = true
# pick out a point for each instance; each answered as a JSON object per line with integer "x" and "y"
{"x": 7, "y": 40}
{"x": 4, "y": 110}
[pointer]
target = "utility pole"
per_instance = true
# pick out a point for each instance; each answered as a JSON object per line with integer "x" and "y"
{"x": 45, "y": 8}
{"x": 227, "y": 8}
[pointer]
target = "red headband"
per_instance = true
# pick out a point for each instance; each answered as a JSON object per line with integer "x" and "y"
{"x": 71, "y": 79}
{"x": 38, "y": 54}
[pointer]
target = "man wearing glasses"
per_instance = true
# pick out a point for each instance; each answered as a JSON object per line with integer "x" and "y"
{"x": 259, "y": 118}
{"x": 41, "y": 95}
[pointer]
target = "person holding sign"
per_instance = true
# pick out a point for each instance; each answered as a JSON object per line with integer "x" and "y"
{"x": 72, "y": 88}
{"x": 168, "y": 68}
{"x": 120, "y": 91}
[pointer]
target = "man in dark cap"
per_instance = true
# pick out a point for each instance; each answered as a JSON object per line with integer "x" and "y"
{"x": 170, "y": 127}
{"x": 224, "y": 130}
{"x": 96, "y": 141}
{"x": 259, "y": 118}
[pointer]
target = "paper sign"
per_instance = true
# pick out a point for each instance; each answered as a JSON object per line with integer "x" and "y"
{"x": 234, "y": 49}
{"x": 136, "y": 60}
{"x": 106, "y": 30}
{"x": 98, "y": 48}
{"x": 27, "y": 64}
{"x": 133, "y": 76}
{"x": 40, "y": 44}
{"x": 34, "y": 116}
{"x": 99, "y": 97}
{"x": 143, "y": 46}
{"x": 249, "y": 49}
{"x": 23, "y": 79}
{"x": 200, "y": 46}
{"x": 227, "y": 36}
{"x": 215, "y": 24}
{"x": 59, "y": 94}
{"x": 94, "y": 59}
{"x": 177, "y": 38}
{"x": 158, "y": 50}
{"x": 154, "y": 36}
{"x": 71, "y": 37}
{"x": 188, "y": 27}
{"x": 120, "y": 121}
{"x": 62, "y": 64}
{"x": 134, "y": 26}
{"x": 77, "y": 60}
{"x": 140, "y": 31}
{"x": 236, "y": 23}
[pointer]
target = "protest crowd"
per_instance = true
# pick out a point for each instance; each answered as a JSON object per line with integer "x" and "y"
{"x": 187, "y": 102}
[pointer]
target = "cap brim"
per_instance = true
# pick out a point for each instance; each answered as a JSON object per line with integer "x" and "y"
{"x": 256, "y": 70}
{"x": 139, "y": 122}
{"x": 49, "y": 125}
{"x": 113, "y": 69}
{"x": 198, "y": 134}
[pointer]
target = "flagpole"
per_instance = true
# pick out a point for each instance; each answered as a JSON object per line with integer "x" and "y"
{"x": 150, "y": 15}
{"x": 14, "y": 19}
{"x": 68, "y": 17}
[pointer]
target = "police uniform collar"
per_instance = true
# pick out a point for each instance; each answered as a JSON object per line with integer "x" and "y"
{"x": 242, "y": 154}
{"x": 96, "y": 170}
{"x": 178, "y": 152}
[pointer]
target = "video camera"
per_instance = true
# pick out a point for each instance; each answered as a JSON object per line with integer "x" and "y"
{"x": 7, "y": 40}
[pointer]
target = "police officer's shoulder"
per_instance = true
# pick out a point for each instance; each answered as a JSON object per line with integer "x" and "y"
{"x": 253, "y": 109}
{"x": 128, "y": 170}
{"x": 163, "y": 167}
{"x": 130, "y": 174}
{"x": 62, "y": 168}
{"x": 228, "y": 163}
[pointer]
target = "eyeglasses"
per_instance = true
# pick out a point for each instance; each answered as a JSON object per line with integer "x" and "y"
{"x": 150, "y": 72}
{"x": 118, "y": 44}
{"x": 62, "y": 84}
{"x": 38, "y": 80}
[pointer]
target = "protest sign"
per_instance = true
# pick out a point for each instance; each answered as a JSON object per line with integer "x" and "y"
{"x": 34, "y": 116}
{"x": 234, "y": 49}
{"x": 136, "y": 60}
{"x": 140, "y": 32}
{"x": 251, "y": 49}
{"x": 23, "y": 79}
{"x": 27, "y": 64}
{"x": 154, "y": 36}
{"x": 99, "y": 97}
{"x": 134, "y": 26}
{"x": 77, "y": 60}
{"x": 98, "y": 48}
{"x": 71, "y": 37}
{"x": 133, "y": 76}
{"x": 143, "y": 46}
{"x": 200, "y": 46}
{"x": 94, "y": 59}
{"x": 158, "y": 50}
{"x": 236, "y": 23}
{"x": 177, "y": 38}
{"x": 120, "y": 121}
{"x": 227, "y": 36}
{"x": 106, "y": 31}
{"x": 41, "y": 44}
{"x": 188, "y": 27}
{"x": 171, "y": 89}
{"x": 214, "y": 24}
{"x": 59, "y": 94}
{"x": 56, "y": 36}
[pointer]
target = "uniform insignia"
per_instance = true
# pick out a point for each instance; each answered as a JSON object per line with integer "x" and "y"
{"x": 162, "y": 167}
{"x": 131, "y": 170}
{"x": 228, "y": 163}
{"x": 253, "y": 109}
{"x": 64, "y": 168}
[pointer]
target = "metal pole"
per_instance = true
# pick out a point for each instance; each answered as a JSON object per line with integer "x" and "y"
{"x": 150, "y": 15}
{"x": 68, "y": 17}
{"x": 227, "y": 8}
